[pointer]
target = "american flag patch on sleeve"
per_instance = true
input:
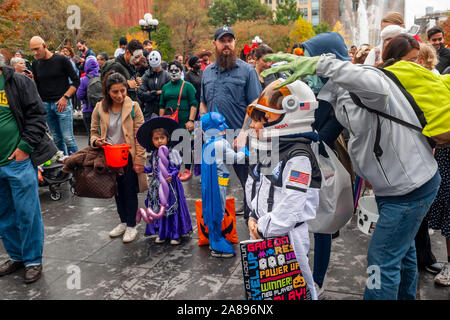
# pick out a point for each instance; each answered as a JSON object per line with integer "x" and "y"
{"x": 304, "y": 106}
{"x": 299, "y": 177}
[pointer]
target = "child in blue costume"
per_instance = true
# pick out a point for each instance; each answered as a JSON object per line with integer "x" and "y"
{"x": 217, "y": 156}
{"x": 177, "y": 220}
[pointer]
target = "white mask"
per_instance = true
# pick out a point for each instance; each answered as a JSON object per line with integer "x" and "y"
{"x": 154, "y": 59}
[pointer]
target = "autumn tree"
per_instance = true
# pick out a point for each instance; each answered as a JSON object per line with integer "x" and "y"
{"x": 13, "y": 18}
{"x": 275, "y": 36}
{"x": 53, "y": 25}
{"x": 163, "y": 38}
{"x": 228, "y": 12}
{"x": 339, "y": 28}
{"x": 189, "y": 24}
{"x": 446, "y": 28}
{"x": 287, "y": 12}
{"x": 321, "y": 28}
{"x": 223, "y": 12}
{"x": 301, "y": 31}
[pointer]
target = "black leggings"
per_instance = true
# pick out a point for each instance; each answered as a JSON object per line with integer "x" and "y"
{"x": 87, "y": 123}
{"x": 127, "y": 195}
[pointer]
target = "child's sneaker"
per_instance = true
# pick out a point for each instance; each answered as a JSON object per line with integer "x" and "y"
{"x": 130, "y": 234}
{"x": 217, "y": 254}
{"x": 175, "y": 242}
{"x": 443, "y": 278}
{"x": 118, "y": 231}
{"x": 159, "y": 241}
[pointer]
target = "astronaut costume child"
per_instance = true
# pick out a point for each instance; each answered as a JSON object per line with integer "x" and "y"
{"x": 217, "y": 156}
{"x": 284, "y": 194}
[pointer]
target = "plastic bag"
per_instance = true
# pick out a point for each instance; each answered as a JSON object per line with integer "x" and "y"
{"x": 335, "y": 197}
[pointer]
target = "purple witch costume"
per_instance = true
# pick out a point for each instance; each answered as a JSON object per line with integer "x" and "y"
{"x": 177, "y": 219}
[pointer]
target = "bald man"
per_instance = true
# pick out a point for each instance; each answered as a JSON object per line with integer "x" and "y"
{"x": 51, "y": 74}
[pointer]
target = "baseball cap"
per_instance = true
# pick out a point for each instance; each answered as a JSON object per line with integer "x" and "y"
{"x": 223, "y": 30}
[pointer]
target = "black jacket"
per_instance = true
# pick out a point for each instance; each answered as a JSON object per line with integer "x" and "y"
{"x": 152, "y": 82}
{"x": 29, "y": 112}
{"x": 444, "y": 59}
{"x": 128, "y": 71}
{"x": 196, "y": 80}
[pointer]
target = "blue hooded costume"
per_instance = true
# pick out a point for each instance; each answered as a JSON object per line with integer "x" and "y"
{"x": 326, "y": 123}
{"x": 214, "y": 181}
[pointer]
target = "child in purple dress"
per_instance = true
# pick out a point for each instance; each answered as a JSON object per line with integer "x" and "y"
{"x": 176, "y": 221}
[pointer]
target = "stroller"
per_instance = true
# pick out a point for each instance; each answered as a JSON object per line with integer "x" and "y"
{"x": 51, "y": 175}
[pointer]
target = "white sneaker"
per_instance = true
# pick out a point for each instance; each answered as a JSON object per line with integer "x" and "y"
{"x": 130, "y": 234}
{"x": 320, "y": 292}
{"x": 443, "y": 278}
{"x": 175, "y": 242}
{"x": 118, "y": 231}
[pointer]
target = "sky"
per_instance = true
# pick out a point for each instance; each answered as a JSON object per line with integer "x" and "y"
{"x": 417, "y": 8}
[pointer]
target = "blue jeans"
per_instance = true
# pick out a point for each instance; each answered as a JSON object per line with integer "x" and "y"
{"x": 61, "y": 127}
{"x": 21, "y": 226}
{"x": 391, "y": 257}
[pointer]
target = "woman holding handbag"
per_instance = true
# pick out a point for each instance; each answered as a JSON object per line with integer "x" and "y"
{"x": 178, "y": 96}
{"x": 116, "y": 120}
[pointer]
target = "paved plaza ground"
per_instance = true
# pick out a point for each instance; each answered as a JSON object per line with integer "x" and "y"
{"x": 76, "y": 238}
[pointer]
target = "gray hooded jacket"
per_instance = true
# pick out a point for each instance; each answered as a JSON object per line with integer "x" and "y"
{"x": 407, "y": 161}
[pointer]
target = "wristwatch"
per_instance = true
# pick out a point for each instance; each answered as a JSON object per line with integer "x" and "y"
{"x": 66, "y": 97}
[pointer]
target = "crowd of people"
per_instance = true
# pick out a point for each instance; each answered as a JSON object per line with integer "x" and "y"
{"x": 374, "y": 96}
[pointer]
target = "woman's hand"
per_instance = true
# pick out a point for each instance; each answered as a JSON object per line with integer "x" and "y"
{"x": 169, "y": 179}
{"x": 138, "y": 168}
{"x": 253, "y": 228}
{"x": 101, "y": 143}
{"x": 190, "y": 125}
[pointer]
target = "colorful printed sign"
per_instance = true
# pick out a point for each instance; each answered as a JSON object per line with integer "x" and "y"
{"x": 271, "y": 271}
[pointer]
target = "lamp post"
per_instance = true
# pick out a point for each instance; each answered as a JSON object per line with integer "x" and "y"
{"x": 257, "y": 40}
{"x": 149, "y": 24}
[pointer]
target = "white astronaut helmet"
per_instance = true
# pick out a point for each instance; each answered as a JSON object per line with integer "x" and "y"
{"x": 295, "y": 103}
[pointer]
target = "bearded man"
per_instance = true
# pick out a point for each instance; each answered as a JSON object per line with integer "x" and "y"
{"x": 229, "y": 85}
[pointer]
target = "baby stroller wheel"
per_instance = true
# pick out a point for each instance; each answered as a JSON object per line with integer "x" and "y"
{"x": 55, "y": 195}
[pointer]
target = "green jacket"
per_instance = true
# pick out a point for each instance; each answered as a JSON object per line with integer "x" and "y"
{"x": 169, "y": 99}
{"x": 431, "y": 93}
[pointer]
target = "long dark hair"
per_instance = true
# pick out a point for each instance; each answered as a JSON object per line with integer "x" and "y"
{"x": 399, "y": 47}
{"x": 262, "y": 50}
{"x": 111, "y": 78}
